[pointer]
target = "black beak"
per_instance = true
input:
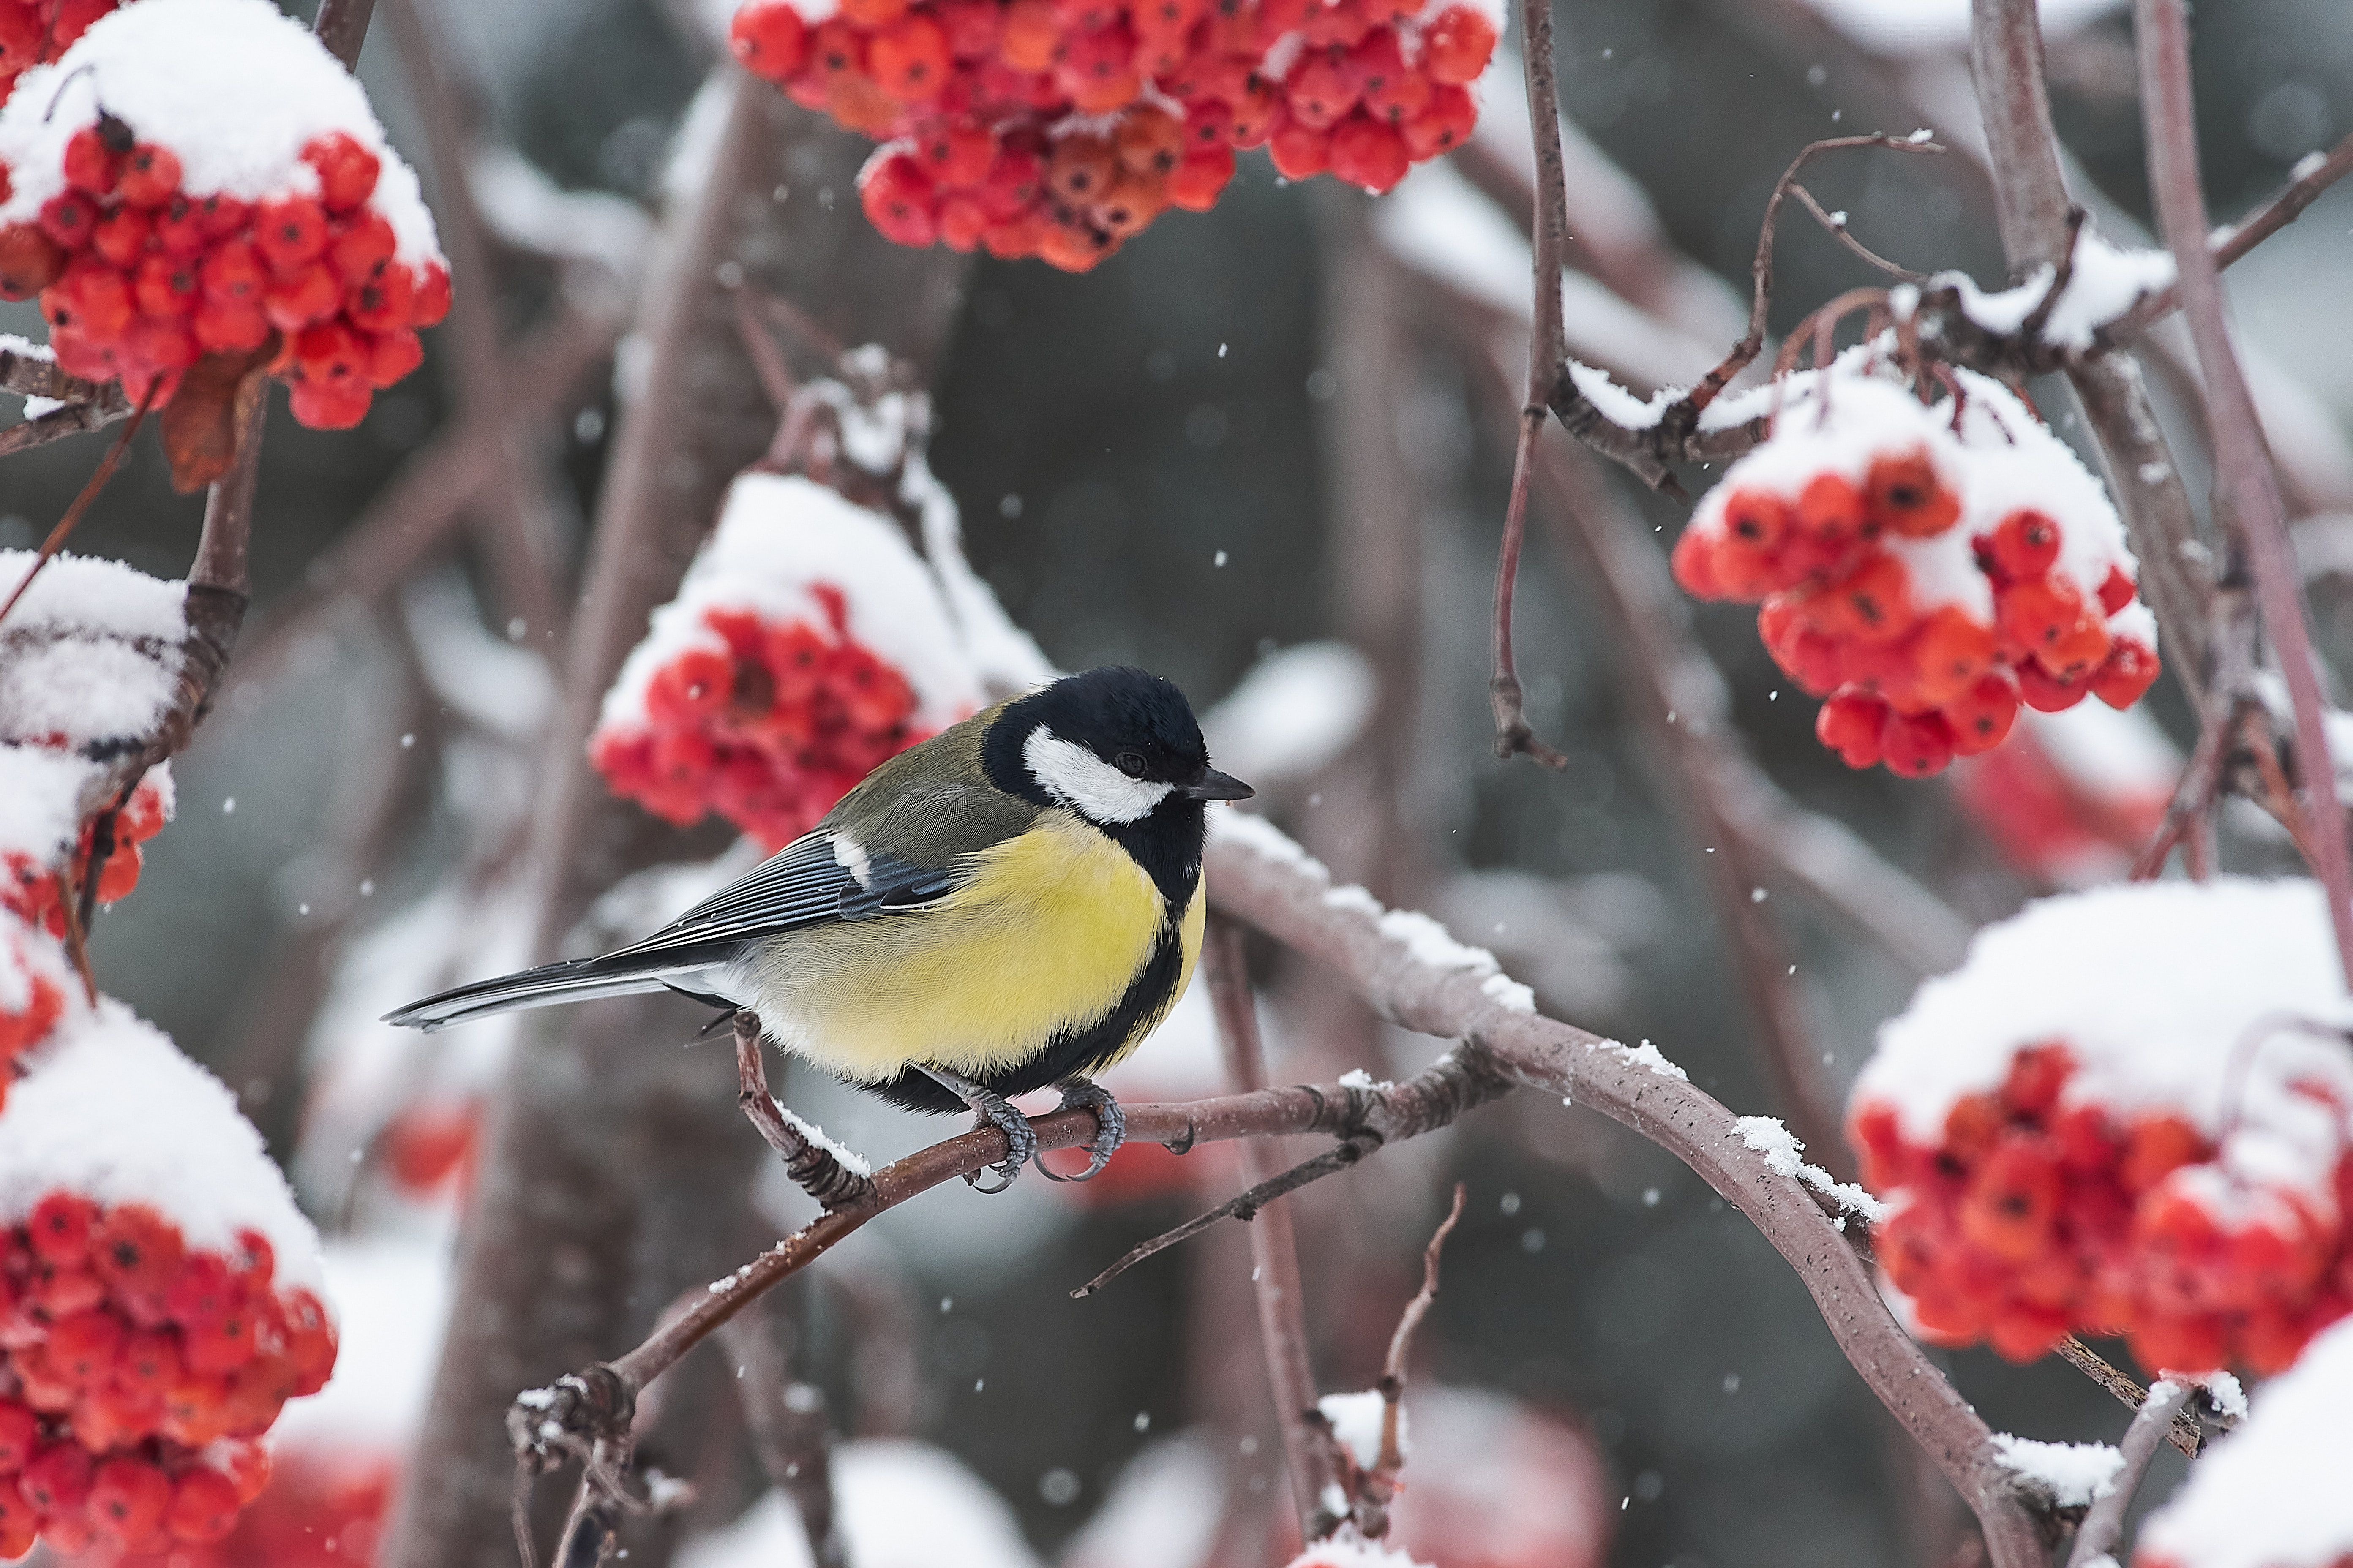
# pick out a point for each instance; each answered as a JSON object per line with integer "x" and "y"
{"x": 1215, "y": 785}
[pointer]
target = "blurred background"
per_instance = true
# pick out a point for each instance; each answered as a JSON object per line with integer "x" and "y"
{"x": 1269, "y": 438}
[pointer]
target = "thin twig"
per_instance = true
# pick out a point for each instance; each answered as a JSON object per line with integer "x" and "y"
{"x": 2184, "y": 1433}
{"x": 1374, "y": 1489}
{"x": 2232, "y": 241}
{"x": 2103, "y": 1525}
{"x": 2250, "y": 490}
{"x": 1246, "y": 1205}
{"x": 814, "y": 1168}
{"x": 1547, "y": 353}
{"x": 81, "y": 503}
{"x": 1312, "y": 1452}
{"x": 1760, "y": 271}
{"x": 1837, "y": 229}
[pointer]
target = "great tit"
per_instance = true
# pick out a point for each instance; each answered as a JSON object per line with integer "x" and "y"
{"x": 1012, "y": 904}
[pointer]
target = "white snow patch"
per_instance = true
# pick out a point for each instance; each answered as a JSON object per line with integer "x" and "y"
{"x": 1645, "y": 1055}
{"x": 1348, "y": 1549}
{"x": 900, "y": 1505}
{"x": 2106, "y": 281}
{"x": 113, "y": 1111}
{"x": 2273, "y": 1493}
{"x": 186, "y": 73}
{"x": 40, "y": 792}
{"x": 851, "y": 1160}
{"x": 1163, "y": 1510}
{"x": 2074, "y": 1475}
{"x": 1356, "y": 1421}
{"x": 1784, "y": 1153}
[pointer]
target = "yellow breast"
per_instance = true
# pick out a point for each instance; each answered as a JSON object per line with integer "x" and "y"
{"x": 1044, "y": 938}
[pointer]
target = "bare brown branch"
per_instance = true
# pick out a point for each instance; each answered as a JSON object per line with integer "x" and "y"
{"x": 2103, "y": 1525}
{"x": 2248, "y": 486}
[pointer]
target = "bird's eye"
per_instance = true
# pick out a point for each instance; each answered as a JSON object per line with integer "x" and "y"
{"x": 1130, "y": 763}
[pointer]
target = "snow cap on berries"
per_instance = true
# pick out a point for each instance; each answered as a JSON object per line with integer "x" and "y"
{"x": 97, "y": 651}
{"x": 2271, "y": 1494}
{"x": 781, "y": 537}
{"x": 112, "y": 1112}
{"x": 234, "y": 88}
{"x": 2170, "y": 995}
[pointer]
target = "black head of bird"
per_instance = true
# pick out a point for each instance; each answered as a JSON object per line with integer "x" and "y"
{"x": 1117, "y": 745}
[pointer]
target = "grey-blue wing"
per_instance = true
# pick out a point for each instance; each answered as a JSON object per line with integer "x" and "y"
{"x": 803, "y": 884}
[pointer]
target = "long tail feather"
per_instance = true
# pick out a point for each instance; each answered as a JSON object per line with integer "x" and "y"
{"x": 574, "y": 980}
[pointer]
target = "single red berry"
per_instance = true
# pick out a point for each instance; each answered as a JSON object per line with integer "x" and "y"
{"x": 92, "y": 163}
{"x": 1445, "y": 124}
{"x": 151, "y": 176}
{"x": 1201, "y": 178}
{"x": 1850, "y": 723}
{"x": 234, "y": 274}
{"x": 29, "y": 261}
{"x": 203, "y": 1507}
{"x": 347, "y": 170}
{"x": 432, "y": 296}
{"x": 128, "y": 1498}
{"x": 322, "y": 408}
{"x": 68, "y": 219}
{"x": 1917, "y": 744}
{"x": 1300, "y": 151}
{"x": 59, "y": 1229}
{"x": 1368, "y": 153}
{"x": 291, "y": 233}
{"x": 362, "y": 246}
{"x": 1903, "y": 495}
{"x": 1981, "y": 717}
{"x": 2115, "y": 591}
{"x": 296, "y": 299}
{"x": 910, "y": 59}
{"x": 1457, "y": 46}
{"x": 226, "y": 326}
{"x": 2129, "y": 671}
{"x": 2024, "y": 546}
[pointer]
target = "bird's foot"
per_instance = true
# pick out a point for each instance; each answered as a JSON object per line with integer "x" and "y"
{"x": 1111, "y": 1126}
{"x": 994, "y": 1110}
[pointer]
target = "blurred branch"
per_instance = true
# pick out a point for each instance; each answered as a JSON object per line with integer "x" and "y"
{"x": 416, "y": 514}
{"x": 2104, "y": 1523}
{"x": 2251, "y": 506}
{"x": 517, "y": 530}
{"x": 341, "y": 26}
{"x": 1310, "y": 1451}
{"x": 790, "y": 1431}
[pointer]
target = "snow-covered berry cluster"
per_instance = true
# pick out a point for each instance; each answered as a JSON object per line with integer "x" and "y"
{"x": 1058, "y": 128}
{"x": 807, "y": 644}
{"x": 2270, "y": 1494}
{"x": 2129, "y": 1112}
{"x": 1927, "y": 567}
{"x": 164, "y": 211}
{"x": 34, "y": 32}
{"x": 151, "y": 1325}
{"x": 35, "y": 890}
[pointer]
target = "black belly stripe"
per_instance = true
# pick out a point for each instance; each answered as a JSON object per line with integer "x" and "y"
{"x": 1074, "y": 1053}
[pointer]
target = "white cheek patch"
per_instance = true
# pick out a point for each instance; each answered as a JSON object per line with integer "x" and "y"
{"x": 1085, "y": 782}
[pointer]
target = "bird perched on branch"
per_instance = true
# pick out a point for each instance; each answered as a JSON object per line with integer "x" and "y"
{"x": 1013, "y": 904}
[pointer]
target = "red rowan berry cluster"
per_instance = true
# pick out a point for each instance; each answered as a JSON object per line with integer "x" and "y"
{"x": 2102, "y": 1124}
{"x": 322, "y": 1509}
{"x": 1927, "y": 568}
{"x": 2270, "y": 1494}
{"x": 156, "y": 1305}
{"x": 1060, "y": 128}
{"x": 134, "y": 1367}
{"x": 155, "y": 236}
{"x": 806, "y": 645}
{"x": 36, "y": 891}
{"x": 34, "y": 32}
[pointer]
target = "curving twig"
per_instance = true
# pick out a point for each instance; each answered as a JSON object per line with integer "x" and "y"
{"x": 2103, "y": 1525}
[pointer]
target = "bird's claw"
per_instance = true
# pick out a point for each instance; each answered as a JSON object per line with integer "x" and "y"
{"x": 994, "y": 1110}
{"x": 1111, "y": 1126}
